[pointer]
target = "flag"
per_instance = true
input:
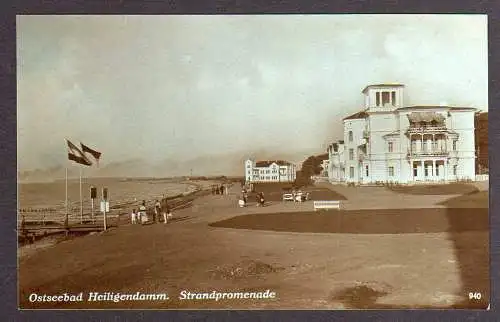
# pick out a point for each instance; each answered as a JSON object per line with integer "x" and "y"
{"x": 94, "y": 153}
{"x": 74, "y": 154}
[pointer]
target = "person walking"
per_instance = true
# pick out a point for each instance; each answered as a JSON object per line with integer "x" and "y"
{"x": 261, "y": 199}
{"x": 164, "y": 206}
{"x": 167, "y": 213}
{"x": 138, "y": 216}
{"x": 142, "y": 212}
{"x": 134, "y": 217}
{"x": 242, "y": 201}
{"x": 157, "y": 211}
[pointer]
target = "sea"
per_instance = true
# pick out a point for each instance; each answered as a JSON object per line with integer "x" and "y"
{"x": 122, "y": 193}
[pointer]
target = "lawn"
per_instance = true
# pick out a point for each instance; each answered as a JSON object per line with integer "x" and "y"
{"x": 372, "y": 221}
{"x": 436, "y": 189}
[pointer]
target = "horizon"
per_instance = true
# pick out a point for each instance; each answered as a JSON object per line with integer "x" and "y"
{"x": 153, "y": 87}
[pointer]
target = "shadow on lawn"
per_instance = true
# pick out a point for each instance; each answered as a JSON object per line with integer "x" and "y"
{"x": 471, "y": 248}
{"x": 436, "y": 189}
{"x": 365, "y": 221}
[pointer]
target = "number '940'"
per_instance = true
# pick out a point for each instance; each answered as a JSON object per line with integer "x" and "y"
{"x": 474, "y": 296}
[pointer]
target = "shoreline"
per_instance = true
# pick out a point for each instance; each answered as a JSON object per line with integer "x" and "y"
{"x": 178, "y": 201}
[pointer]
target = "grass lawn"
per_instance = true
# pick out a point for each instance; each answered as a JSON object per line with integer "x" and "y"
{"x": 437, "y": 189}
{"x": 372, "y": 221}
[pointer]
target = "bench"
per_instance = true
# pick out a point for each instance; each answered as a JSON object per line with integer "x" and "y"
{"x": 327, "y": 204}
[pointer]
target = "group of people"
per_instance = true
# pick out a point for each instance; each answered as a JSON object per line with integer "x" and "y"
{"x": 244, "y": 198}
{"x": 160, "y": 209}
{"x": 219, "y": 190}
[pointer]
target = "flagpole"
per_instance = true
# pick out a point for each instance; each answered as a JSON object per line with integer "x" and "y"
{"x": 66, "y": 200}
{"x": 81, "y": 200}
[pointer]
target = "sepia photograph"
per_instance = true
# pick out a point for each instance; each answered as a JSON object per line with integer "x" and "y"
{"x": 255, "y": 162}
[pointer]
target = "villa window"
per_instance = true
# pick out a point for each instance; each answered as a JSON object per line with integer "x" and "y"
{"x": 350, "y": 136}
{"x": 415, "y": 170}
{"x": 377, "y": 95}
{"x": 393, "y": 98}
{"x": 366, "y": 169}
{"x": 426, "y": 171}
{"x": 391, "y": 146}
{"x": 391, "y": 171}
{"x": 385, "y": 98}
{"x": 351, "y": 172}
{"x": 454, "y": 170}
{"x": 351, "y": 154}
{"x": 454, "y": 145}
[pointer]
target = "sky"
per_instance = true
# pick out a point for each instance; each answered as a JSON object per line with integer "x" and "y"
{"x": 180, "y": 87}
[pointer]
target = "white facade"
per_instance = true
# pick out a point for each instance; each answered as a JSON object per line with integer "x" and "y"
{"x": 336, "y": 164}
{"x": 324, "y": 167}
{"x": 387, "y": 142}
{"x": 270, "y": 171}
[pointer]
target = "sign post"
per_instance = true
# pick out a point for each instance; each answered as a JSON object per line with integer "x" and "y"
{"x": 104, "y": 204}
{"x": 93, "y": 195}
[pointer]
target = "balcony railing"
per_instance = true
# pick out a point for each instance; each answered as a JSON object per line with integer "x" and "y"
{"x": 428, "y": 152}
{"x": 426, "y": 129}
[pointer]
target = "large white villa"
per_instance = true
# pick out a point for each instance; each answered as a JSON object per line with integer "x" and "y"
{"x": 390, "y": 142}
{"x": 269, "y": 171}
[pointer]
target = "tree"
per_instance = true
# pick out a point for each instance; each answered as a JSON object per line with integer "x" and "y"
{"x": 310, "y": 167}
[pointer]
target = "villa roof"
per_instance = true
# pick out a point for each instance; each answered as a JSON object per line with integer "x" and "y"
{"x": 431, "y": 107}
{"x": 381, "y": 85}
{"x": 267, "y": 163}
{"x": 358, "y": 115}
{"x": 417, "y": 117}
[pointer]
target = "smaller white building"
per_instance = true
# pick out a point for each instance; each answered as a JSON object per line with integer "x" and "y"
{"x": 324, "y": 167}
{"x": 270, "y": 171}
{"x": 336, "y": 164}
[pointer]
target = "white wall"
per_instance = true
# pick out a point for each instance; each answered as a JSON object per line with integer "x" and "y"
{"x": 381, "y": 124}
{"x": 248, "y": 170}
{"x": 357, "y": 126}
{"x": 463, "y": 124}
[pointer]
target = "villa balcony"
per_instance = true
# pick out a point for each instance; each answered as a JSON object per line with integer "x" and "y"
{"x": 426, "y": 129}
{"x": 366, "y": 134}
{"x": 432, "y": 152}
